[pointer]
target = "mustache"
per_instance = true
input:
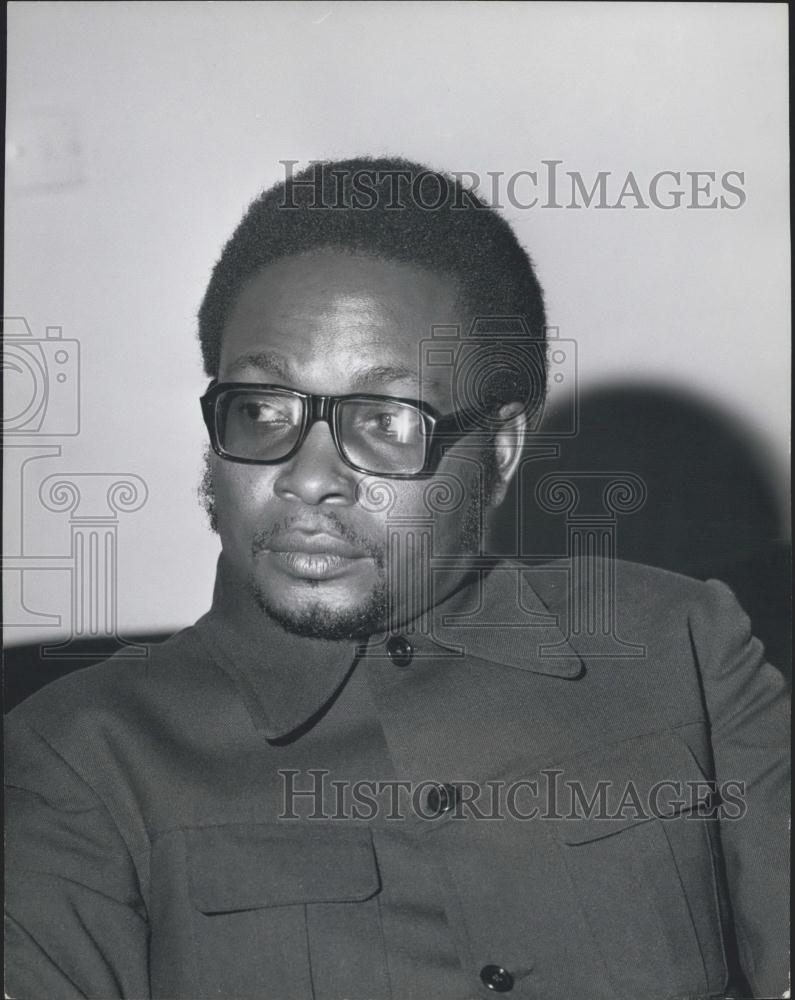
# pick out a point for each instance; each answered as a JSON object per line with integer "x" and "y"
{"x": 330, "y": 523}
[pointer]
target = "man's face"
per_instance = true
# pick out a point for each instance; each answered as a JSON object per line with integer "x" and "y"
{"x": 308, "y": 537}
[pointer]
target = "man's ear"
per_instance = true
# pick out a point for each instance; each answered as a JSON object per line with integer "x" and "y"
{"x": 508, "y": 444}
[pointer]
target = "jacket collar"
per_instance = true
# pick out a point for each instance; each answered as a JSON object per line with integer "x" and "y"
{"x": 287, "y": 682}
{"x": 502, "y": 619}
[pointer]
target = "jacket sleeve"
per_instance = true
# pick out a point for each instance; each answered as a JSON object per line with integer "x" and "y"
{"x": 748, "y": 708}
{"x": 75, "y": 922}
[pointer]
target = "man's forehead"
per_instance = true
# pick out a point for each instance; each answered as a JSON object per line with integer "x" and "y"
{"x": 364, "y": 318}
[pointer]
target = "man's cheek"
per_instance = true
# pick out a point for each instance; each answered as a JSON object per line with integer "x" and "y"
{"x": 240, "y": 501}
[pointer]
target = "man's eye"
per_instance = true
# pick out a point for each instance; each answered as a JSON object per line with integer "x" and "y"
{"x": 400, "y": 426}
{"x": 263, "y": 413}
{"x": 383, "y": 422}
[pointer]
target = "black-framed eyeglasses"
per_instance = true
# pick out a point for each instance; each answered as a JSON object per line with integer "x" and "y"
{"x": 397, "y": 438}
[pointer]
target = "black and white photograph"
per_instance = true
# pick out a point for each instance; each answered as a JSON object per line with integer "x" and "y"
{"x": 396, "y": 550}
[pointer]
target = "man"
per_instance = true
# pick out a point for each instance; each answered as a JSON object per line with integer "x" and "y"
{"x": 383, "y": 764}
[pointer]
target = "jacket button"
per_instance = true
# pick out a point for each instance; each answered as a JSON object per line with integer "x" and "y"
{"x": 496, "y": 978}
{"x": 441, "y": 799}
{"x": 399, "y": 650}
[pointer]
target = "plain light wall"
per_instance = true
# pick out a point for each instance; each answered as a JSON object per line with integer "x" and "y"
{"x": 184, "y": 111}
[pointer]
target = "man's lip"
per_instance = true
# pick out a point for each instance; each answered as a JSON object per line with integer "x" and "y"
{"x": 313, "y": 565}
{"x": 318, "y": 543}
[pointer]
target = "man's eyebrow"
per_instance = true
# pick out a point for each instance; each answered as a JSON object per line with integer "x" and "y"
{"x": 268, "y": 361}
{"x": 384, "y": 374}
{"x": 362, "y": 376}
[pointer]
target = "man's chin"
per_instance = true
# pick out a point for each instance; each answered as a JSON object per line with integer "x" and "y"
{"x": 319, "y": 618}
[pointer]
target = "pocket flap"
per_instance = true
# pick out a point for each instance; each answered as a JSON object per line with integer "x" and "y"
{"x": 583, "y": 830}
{"x": 245, "y": 866}
{"x": 650, "y": 777}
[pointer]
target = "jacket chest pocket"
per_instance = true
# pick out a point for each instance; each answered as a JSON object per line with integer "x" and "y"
{"x": 647, "y": 884}
{"x": 285, "y": 911}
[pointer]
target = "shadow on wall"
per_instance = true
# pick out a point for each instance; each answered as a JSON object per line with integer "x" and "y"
{"x": 711, "y": 509}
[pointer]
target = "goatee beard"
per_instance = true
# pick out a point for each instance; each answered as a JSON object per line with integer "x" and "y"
{"x": 316, "y": 621}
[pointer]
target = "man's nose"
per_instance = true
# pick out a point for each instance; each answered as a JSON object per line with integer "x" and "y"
{"x": 316, "y": 473}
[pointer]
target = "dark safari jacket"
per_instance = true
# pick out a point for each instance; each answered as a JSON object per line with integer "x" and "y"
{"x": 153, "y": 850}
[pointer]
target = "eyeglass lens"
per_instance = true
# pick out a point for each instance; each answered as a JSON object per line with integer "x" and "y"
{"x": 380, "y": 436}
